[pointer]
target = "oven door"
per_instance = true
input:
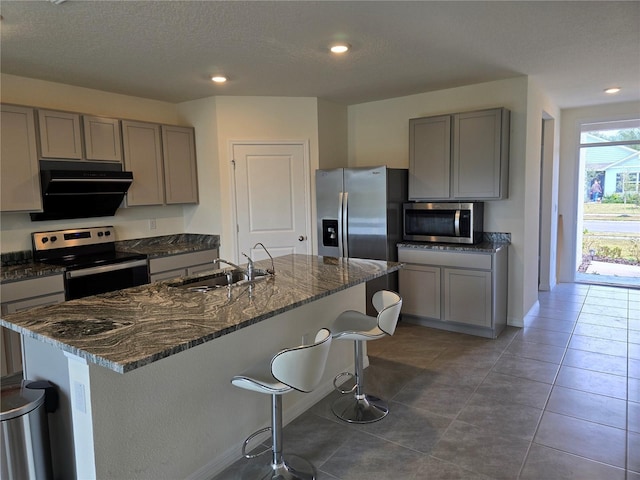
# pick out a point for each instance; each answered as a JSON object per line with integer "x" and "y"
{"x": 105, "y": 278}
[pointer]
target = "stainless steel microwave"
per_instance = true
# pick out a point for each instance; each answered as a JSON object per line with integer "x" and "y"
{"x": 448, "y": 222}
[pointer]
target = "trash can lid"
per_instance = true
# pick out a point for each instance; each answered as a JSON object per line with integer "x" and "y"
{"x": 16, "y": 400}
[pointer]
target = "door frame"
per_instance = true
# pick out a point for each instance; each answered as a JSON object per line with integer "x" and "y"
{"x": 233, "y": 191}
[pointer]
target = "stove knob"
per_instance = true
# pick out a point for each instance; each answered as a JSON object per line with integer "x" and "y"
{"x": 100, "y": 234}
{"x": 45, "y": 239}
{"x": 107, "y": 233}
{"x": 54, "y": 238}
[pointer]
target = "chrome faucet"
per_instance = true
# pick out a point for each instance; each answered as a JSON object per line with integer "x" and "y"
{"x": 250, "y": 270}
{"x": 272, "y": 270}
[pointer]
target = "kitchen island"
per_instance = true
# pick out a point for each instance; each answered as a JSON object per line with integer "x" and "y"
{"x": 144, "y": 373}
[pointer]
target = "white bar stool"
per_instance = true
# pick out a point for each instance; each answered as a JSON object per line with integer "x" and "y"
{"x": 299, "y": 368}
{"x": 356, "y": 326}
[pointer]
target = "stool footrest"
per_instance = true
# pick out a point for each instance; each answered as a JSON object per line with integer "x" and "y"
{"x": 251, "y": 437}
{"x": 344, "y": 374}
{"x": 366, "y": 409}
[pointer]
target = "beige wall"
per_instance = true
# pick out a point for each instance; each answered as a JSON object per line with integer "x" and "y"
{"x": 332, "y": 135}
{"x": 245, "y": 119}
{"x": 16, "y": 228}
{"x": 379, "y": 134}
{"x": 570, "y": 208}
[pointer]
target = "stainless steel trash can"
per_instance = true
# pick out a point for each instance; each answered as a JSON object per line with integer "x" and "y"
{"x": 25, "y": 450}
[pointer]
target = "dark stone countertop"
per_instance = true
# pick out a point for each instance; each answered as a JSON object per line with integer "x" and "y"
{"x": 27, "y": 271}
{"x": 482, "y": 247}
{"x": 152, "y": 247}
{"x": 169, "y": 244}
{"x": 130, "y": 328}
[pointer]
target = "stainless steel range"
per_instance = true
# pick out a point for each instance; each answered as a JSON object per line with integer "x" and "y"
{"x": 90, "y": 259}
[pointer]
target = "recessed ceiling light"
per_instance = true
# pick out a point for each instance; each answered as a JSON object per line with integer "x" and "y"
{"x": 340, "y": 48}
{"x": 612, "y": 90}
{"x": 219, "y": 79}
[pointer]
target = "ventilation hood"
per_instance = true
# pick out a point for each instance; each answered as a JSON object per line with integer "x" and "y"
{"x": 81, "y": 193}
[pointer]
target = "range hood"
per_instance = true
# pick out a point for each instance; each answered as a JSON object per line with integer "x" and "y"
{"x": 81, "y": 193}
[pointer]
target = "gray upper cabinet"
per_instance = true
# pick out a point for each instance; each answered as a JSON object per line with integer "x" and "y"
{"x": 19, "y": 173}
{"x": 481, "y": 155}
{"x": 464, "y": 156}
{"x": 60, "y": 135}
{"x": 163, "y": 161}
{"x": 102, "y": 138}
{"x": 429, "y": 157}
{"x": 143, "y": 157}
{"x": 179, "y": 151}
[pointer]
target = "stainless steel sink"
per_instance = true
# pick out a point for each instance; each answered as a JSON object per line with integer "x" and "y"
{"x": 223, "y": 279}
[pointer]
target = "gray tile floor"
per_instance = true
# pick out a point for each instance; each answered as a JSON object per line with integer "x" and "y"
{"x": 557, "y": 399}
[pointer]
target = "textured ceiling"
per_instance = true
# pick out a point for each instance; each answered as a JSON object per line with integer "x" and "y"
{"x": 167, "y": 50}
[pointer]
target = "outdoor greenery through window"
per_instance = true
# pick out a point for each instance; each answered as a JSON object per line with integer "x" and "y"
{"x": 610, "y": 154}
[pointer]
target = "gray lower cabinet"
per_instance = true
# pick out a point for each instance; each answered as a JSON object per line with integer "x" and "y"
{"x": 463, "y": 292}
{"x": 19, "y": 169}
{"x": 21, "y": 295}
{"x": 184, "y": 264}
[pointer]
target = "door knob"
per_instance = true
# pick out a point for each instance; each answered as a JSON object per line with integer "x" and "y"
{"x": 302, "y": 238}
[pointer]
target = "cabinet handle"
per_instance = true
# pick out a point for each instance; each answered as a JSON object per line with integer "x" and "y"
{"x": 302, "y": 238}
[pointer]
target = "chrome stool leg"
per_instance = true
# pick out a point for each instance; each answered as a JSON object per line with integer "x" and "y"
{"x": 289, "y": 467}
{"x": 360, "y": 407}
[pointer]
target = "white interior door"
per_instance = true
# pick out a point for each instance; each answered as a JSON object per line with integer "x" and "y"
{"x": 272, "y": 198}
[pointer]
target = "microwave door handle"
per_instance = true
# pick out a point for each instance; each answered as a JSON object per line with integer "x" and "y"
{"x": 456, "y": 223}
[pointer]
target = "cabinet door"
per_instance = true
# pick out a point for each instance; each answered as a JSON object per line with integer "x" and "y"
{"x": 10, "y": 341}
{"x": 19, "y": 170}
{"x": 181, "y": 183}
{"x": 102, "y": 138}
{"x": 429, "y": 157}
{"x": 60, "y": 135}
{"x": 467, "y": 297}
{"x": 479, "y": 159}
{"x": 419, "y": 287}
{"x": 143, "y": 157}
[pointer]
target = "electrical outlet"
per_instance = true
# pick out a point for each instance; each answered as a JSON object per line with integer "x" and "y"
{"x": 152, "y": 224}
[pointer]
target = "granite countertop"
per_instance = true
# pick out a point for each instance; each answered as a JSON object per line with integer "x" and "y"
{"x": 491, "y": 243}
{"x": 482, "y": 247}
{"x": 25, "y": 268}
{"x": 130, "y": 328}
{"x": 169, "y": 244}
{"x": 28, "y": 270}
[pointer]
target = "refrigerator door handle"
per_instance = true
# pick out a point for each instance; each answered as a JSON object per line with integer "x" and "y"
{"x": 340, "y": 223}
{"x": 345, "y": 225}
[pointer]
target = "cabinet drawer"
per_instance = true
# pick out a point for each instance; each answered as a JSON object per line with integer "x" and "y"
{"x": 35, "y": 287}
{"x": 168, "y": 275}
{"x": 481, "y": 261}
{"x": 184, "y": 260}
{"x": 19, "y": 305}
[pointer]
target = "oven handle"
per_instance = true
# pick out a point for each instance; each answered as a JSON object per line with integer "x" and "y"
{"x": 456, "y": 223}
{"x": 105, "y": 268}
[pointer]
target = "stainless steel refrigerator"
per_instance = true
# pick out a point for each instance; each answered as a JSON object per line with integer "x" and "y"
{"x": 359, "y": 213}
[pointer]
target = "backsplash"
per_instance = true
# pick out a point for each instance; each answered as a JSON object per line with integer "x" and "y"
{"x": 496, "y": 237}
{"x": 16, "y": 258}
